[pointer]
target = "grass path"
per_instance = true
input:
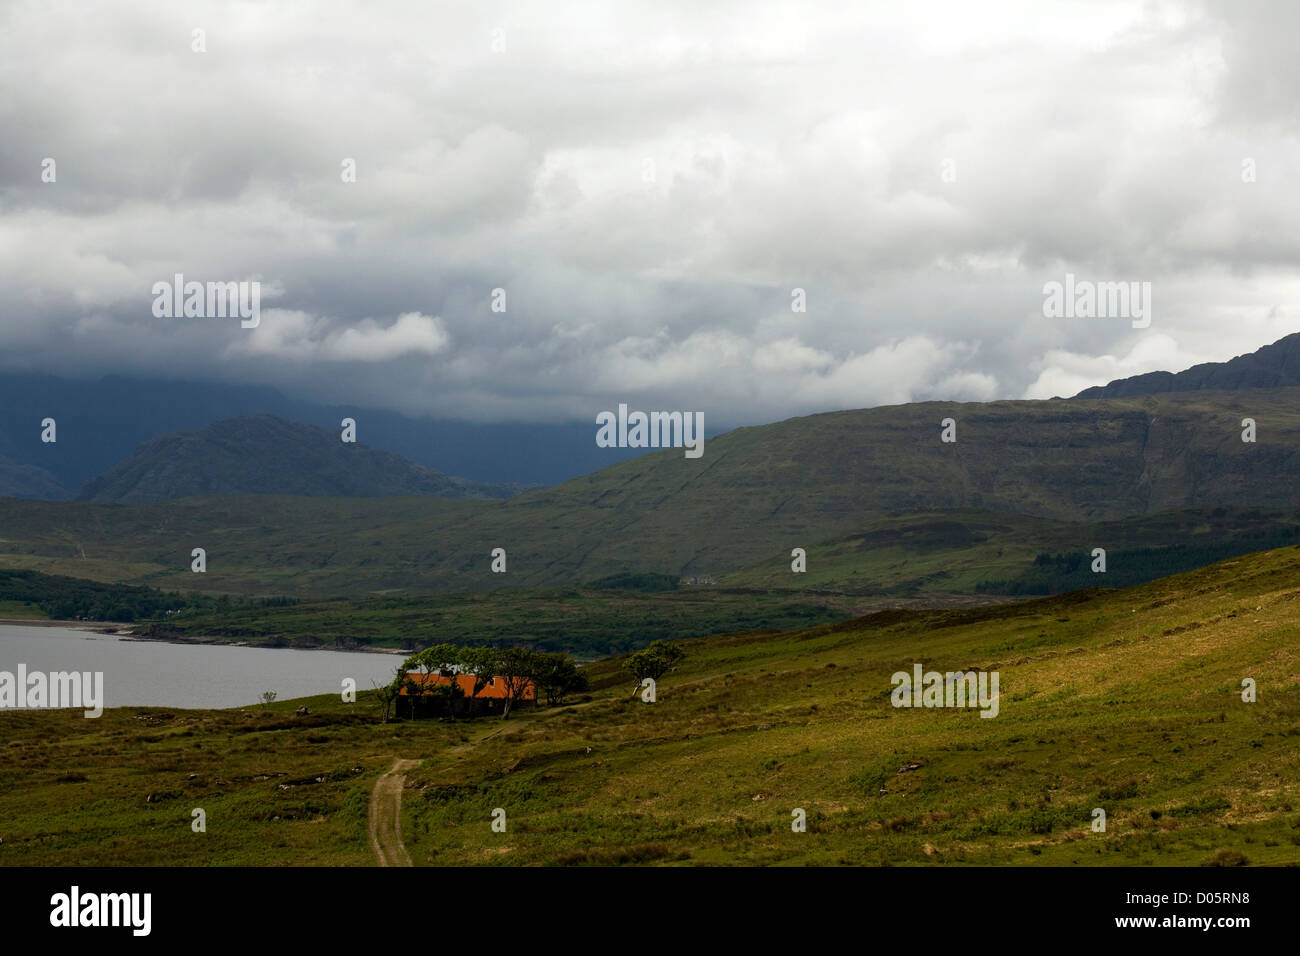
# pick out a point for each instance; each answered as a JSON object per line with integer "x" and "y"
{"x": 386, "y": 816}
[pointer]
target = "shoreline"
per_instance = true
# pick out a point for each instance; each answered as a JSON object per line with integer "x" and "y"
{"x": 102, "y": 627}
{"x": 209, "y": 639}
{"x": 127, "y": 633}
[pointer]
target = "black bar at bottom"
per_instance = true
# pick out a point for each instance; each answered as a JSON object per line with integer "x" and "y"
{"x": 386, "y": 907}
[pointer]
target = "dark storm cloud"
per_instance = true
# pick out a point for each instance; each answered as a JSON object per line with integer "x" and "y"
{"x": 648, "y": 183}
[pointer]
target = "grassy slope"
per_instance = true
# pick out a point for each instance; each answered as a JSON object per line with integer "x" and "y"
{"x": 755, "y": 494}
{"x": 76, "y": 792}
{"x": 955, "y": 551}
{"x": 926, "y": 559}
{"x": 1127, "y": 700}
{"x": 22, "y": 609}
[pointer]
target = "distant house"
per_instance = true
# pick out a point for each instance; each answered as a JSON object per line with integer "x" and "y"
{"x": 494, "y": 689}
{"x": 490, "y": 698}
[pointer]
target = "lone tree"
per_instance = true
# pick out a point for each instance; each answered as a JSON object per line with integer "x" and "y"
{"x": 404, "y": 681}
{"x": 481, "y": 663}
{"x": 558, "y": 676}
{"x": 440, "y": 660}
{"x": 443, "y": 660}
{"x": 654, "y": 662}
{"x": 517, "y": 667}
{"x": 388, "y": 694}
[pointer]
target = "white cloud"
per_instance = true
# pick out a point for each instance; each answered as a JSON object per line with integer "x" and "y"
{"x": 1067, "y": 373}
{"x": 792, "y": 145}
{"x": 300, "y": 337}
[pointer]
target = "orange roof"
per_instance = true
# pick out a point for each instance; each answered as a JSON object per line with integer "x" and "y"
{"x": 494, "y": 689}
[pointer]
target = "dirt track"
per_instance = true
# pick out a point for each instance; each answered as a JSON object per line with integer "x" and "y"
{"x": 386, "y": 816}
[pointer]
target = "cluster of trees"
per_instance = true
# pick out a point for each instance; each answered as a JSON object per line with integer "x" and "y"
{"x": 632, "y": 581}
{"x": 68, "y": 599}
{"x": 72, "y": 598}
{"x": 554, "y": 675}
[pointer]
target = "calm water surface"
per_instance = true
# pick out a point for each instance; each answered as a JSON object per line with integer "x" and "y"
{"x": 154, "y": 674}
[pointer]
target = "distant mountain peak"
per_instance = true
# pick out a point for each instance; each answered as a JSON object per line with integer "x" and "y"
{"x": 1273, "y": 366}
{"x": 263, "y": 454}
{"x": 18, "y": 480}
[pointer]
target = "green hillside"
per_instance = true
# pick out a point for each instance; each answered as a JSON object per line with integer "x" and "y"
{"x": 965, "y": 552}
{"x": 1129, "y": 701}
{"x": 30, "y": 594}
{"x": 932, "y": 560}
{"x": 262, "y": 454}
{"x": 587, "y": 622}
{"x": 756, "y": 493}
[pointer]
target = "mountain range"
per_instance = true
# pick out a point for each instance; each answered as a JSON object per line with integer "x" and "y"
{"x": 261, "y": 454}
{"x": 102, "y": 424}
{"x": 876, "y": 498}
{"x": 757, "y": 494}
{"x": 1273, "y": 366}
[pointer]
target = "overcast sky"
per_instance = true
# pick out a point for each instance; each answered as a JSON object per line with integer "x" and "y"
{"x": 648, "y": 182}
